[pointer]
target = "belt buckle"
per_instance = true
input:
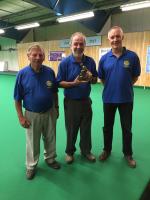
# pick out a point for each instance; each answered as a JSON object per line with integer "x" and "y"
{"x": 42, "y": 112}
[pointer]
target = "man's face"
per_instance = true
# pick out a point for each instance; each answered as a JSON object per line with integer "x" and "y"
{"x": 36, "y": 57}
{"x": 115, "y": 37}
{"x": 77, "y": 46}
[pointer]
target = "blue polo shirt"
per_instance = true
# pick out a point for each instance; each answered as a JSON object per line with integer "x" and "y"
{"x": 117, "y": 74}
{"x": 69, "y": 69}
{"x": 35, "y": 89}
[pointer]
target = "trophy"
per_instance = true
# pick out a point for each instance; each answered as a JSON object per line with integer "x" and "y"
{"x": 83, "y": 74}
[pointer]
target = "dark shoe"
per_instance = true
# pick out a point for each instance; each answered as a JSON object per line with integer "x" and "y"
{"x": 130, "y": 161}
{"x": 54, "y": 164}
{"x": 69, "y": 159}
{"x": 90, "y": 157}
{"x": 104, "y": 156}
{"x": 30, "y": 173}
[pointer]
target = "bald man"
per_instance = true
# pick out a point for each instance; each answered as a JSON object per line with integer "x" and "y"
{"x": 118, "y": 70}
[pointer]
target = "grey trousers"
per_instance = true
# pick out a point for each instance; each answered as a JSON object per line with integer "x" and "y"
{"x": 42, "y": 124}
{"x": 78, "y": 116}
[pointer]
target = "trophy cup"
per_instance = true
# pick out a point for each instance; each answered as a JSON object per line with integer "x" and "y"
{"x": 83, "y": 73}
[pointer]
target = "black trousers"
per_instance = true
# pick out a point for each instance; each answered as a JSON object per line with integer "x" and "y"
{"x": 78, "y": 116}
{"x": 125, "y": 112}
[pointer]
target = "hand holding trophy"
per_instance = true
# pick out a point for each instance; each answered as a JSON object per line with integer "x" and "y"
{"x": 85, "y": 75}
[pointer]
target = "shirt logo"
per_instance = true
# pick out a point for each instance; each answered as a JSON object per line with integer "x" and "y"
{"x": 126, "y": 63}
{"x": 49, "y": 84}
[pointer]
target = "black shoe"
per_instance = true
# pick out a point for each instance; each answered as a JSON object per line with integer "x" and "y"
{"x": 54, "y": 164}
{"x": 104, "y": 156}
{"x": 30, "y": 173}
{"x": 131, "y": 162}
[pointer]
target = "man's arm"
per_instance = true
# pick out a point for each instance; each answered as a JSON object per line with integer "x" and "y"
{"x": 56, "y": 103}
{"x": 23, "y": 121}
{"x": 67, "y": 84}
{"x": 134, "y": 79}
{"x": 103, "y": 81}
{"x": 55, "y": 100}
{"x": 93, "y": 80}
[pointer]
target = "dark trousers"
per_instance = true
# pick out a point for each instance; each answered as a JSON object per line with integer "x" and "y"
{"x": 125, "y": 112}
{"x": 78, "y": 115}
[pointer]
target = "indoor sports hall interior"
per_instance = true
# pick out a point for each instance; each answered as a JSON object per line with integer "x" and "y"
{"x": 110, "y": 180}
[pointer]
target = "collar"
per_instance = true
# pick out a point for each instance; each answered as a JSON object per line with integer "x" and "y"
{"x": 124, "y": 50}
{"x": 32, "y": 70}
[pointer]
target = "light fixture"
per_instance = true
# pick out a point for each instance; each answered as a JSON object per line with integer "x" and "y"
{"x": 2, "y": 31}
{"x": 26, "y": 26}
{"x": 76, "y": 17}
{"x": 135, "y": 6}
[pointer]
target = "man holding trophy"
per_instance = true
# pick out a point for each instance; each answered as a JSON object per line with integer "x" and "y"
{"x": 75, "y": 74}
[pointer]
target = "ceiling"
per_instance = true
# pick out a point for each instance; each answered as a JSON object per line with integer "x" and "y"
{"x": 46, "y": 12}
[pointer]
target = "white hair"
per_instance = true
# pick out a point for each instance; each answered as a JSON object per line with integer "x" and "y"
{"x": 78, "y": 34}
{"x": 35, "y": 46}
{"x": 115, "y": 27}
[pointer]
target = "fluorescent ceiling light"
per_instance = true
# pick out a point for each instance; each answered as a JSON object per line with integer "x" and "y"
{"x": 2, "y": 31}
{"x": 76, "y": 17}
{"x": 135, "y": 6}
{"x": 26, "y": 26}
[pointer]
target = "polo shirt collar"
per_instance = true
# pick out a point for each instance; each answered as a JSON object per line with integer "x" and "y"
{"x": 32, "y": 71}
{"x": 124, "y": 50}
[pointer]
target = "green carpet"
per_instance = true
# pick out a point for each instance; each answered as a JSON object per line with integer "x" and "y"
{"x": 112, "y": 180}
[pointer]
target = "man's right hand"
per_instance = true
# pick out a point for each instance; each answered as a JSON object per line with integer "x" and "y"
{"x": 78, "y": 82}
{"x": 24, "y": 122}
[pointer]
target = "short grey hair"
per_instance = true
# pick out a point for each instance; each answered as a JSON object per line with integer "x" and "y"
{"x": 115, "y": 27}
{"x": 78, "y": 34}
{"x": 35, "y": 46}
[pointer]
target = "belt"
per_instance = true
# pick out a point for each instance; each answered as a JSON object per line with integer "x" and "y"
{"x": 41, "y": 112}
{"x": 83, "y": 99}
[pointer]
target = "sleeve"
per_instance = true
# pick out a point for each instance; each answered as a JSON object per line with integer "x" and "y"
{"x": 55, "y": 84}
{"x": 18, "y": 90}
{"x": 61, "y": 72}
{"x": 94, "y": 71}
{"x": 136, "y": 71}
{"x": 100, "y": 69}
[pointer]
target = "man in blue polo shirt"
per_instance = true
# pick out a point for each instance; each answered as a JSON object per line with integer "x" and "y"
{"x": 36, "y": 88}
{"x": 75, "y": 74}
{"x": 118, "y": 70}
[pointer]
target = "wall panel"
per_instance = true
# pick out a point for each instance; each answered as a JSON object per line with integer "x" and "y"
{"x": 137, "y": 42}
